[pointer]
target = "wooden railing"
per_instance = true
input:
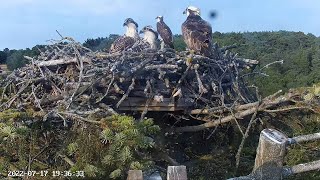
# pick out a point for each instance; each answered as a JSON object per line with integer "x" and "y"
{"x": 268, "y": 163}
{"x": 270, "y": 156}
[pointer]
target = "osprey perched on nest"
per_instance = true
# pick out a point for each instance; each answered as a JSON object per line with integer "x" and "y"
{"x": 149, "y": 41}
{"x": 165, "y": 32}
{"x": 126, "y": 41}
{"x": 150, "y": 36}
{"x": 197, "y": 33}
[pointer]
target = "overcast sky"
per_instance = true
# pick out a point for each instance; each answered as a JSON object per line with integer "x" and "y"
{"x": 26, "y": 23}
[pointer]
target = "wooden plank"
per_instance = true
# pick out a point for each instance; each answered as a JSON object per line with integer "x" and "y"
{"x": 177, "y": 173}
{"x": 140, "y": 108}
{"x": 135, "y": 175}
{"x": 140, "y": 101}
{"x": 138, "y": 104}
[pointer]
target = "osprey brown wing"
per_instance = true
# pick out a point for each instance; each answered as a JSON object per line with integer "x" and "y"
{"x": 165, "y": 33}
{"x": 139, "y": 46}
{"x": 197, "y": 34}
{"x": 122, "y": 43}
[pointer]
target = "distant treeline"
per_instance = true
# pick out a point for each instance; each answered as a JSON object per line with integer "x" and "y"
{"x": 300, "y": 52}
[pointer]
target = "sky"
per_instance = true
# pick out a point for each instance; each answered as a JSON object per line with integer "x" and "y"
{"x": 26, "y": 23}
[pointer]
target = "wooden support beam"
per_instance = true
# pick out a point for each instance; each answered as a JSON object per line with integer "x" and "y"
{"x": 135, "y": 175}
{"x": 139, "y": 103}
{"x": 177, "y": 173}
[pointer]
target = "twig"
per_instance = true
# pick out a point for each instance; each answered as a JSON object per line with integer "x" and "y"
{"x": 252, "y": 120}
{"x": 131, "y": 87}
{"x": 111, "y": 82}
{"x": 60, "y": 34}
{"x": 66, "y": 159}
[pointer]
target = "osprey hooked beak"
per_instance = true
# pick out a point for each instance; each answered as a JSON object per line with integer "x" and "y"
{"x": 185, "y": 11}
{"x": 141, "y": 32}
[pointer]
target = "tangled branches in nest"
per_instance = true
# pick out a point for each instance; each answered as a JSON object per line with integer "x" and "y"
{"x": 68, "y": 82}
{"x": 69, "y": 79}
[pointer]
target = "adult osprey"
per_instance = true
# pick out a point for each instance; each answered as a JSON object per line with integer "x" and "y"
{"x": 165, "y": 32}
{"x": 126, "y": 41}
{"x": 149, "y": 41}
{"x": 197, "y": 33}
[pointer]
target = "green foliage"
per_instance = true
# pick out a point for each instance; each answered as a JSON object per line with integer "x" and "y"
{"x": 100, "y": 43}
{"x": 178, "y": 43}
{"x": 113, "y": 150}
{"x": 91, "y": 170}
{"x": 7, "y": 131}
{"x": 13, "y": 114}
{"x": 299, "y": 51}
{"x": 105, "y": 152}
{"x": 124, "y": 137}
{"x": 14, "y": 58}
{"x": 72, "y": 148}
{"x": 136, "y": 165}
{"x": 3, "y": 57}
{"x": 115, "y": 174}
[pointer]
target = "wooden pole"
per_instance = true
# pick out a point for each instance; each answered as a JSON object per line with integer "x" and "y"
{"x": 270, "y": 155}
{"x": 135, "y": 175}
{"x": 300, "y": 168}
{"x": 177, "y": 173}
{"x": 304, "y": 138}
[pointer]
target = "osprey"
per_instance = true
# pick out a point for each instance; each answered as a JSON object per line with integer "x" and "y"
{"x": 149, "y": 41}
{"x": 126, "y": 41}
{"x": 165, "y": 32}
{"x": 197, "y": 33}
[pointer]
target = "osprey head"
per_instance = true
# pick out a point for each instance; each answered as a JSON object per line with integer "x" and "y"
{"x": 159, "y": 18}
{"x": 147, "y": 30}
{"x": 129, "y": 21}
{"x": 191, "y": 10}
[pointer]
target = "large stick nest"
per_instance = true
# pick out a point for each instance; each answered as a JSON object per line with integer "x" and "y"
{"x": 68, "y": 81}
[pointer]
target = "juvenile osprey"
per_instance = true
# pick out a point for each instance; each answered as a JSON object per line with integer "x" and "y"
{"x": 165, "y": 32}
{"x": 149, "y": 41}
{"x": 126, "y": 41}
{"x": 197, "y": 33}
